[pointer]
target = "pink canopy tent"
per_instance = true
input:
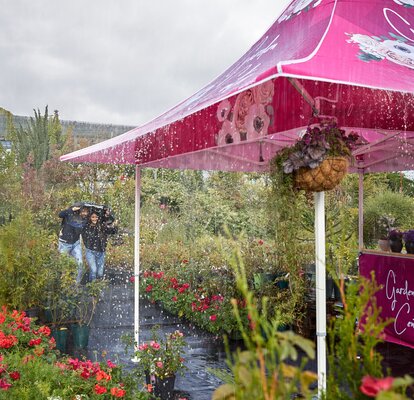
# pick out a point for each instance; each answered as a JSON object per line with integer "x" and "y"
{"x": 351, "y": 61}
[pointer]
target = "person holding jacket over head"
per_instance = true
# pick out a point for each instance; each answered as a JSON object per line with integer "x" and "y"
{"x": 95, "y": 238}
{"x": 74, "y": 220}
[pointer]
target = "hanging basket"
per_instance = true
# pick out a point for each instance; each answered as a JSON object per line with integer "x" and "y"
{"x": 324, "y": 177}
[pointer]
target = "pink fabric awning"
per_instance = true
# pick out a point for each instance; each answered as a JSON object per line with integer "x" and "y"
{"x": 348, "y": 60}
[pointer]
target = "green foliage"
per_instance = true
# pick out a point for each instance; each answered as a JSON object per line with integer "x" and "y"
{"x": 86, "y": 300}
{"x": 287, "y": 207}
{"x": 25, "y": 255}
{"x": 33, "y": 139}
{"x": 60, "y": 293}
{"x": 352, "y": 354}
{"x": 391, "y": 204}
{"x": 263, "y": 370}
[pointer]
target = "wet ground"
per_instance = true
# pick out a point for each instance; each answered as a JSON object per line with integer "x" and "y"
{"x": 114, "y": 318}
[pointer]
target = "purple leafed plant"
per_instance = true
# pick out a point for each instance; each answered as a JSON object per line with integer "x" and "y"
{"x": 318, "y": 143}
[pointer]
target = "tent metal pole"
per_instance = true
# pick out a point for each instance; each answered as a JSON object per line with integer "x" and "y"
{"x": 136, "y": 252}
{"x": 319, "y": 198}
{"x": 361, "y": 211}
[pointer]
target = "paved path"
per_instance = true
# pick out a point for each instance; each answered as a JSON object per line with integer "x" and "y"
{"x": 114, "y": 317}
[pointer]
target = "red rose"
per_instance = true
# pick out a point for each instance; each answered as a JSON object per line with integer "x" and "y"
{"x": 148, "y": 288}
{"x": 213, "y": 317}
{"x": 372, "y": 386}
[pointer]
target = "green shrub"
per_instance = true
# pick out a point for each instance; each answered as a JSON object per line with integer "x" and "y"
{"x": 25, "y": 253}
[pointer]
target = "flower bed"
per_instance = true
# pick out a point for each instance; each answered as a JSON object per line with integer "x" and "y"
{"x": 209, "y": 310}
{"x": 30, "y": 367}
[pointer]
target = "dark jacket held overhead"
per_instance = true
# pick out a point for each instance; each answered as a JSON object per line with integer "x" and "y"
{"x": 72, "y": 226}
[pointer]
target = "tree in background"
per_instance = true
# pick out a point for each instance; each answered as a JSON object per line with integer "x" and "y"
{"x": 37, "y": 138}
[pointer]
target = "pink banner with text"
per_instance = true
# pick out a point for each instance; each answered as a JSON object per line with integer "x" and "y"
{"x": 395, "y": 276}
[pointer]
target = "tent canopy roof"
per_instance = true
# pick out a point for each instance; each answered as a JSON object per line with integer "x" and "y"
{"x": 350, "y": 60}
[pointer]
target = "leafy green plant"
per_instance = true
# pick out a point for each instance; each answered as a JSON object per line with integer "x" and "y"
{"x": 262, "y": 370}
{"x": 25, "y": 255}
{"x": 87, "y": 298}
{"x": 389, "y": 206}
{"x": 60, "y": 294}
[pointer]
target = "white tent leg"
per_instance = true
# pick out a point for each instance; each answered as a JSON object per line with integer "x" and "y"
{"x": 320, "y": 290}
{"x": 361, "y": 211}
{"x": 136, "y": 252}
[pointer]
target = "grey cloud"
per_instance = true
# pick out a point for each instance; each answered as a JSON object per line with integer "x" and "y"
{"x": 122, "y": 62}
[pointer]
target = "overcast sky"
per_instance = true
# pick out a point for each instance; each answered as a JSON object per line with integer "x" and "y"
{"x": 120, "y": 61}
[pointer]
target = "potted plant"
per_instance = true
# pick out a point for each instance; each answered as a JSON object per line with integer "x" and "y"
{"x": 319, "y": 160}
{"x": 385, "y": 225}
{"x": 86, "y": 301}
{"x": 409, "y": 241}
{"x": 395, "y": 239}
{"x": 159, "y": 361}
{"x": 59, "y": 298}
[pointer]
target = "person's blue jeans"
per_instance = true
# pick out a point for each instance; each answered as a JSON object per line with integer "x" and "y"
{"x": 96, "y": 262}
{"x": 74, "y": 250}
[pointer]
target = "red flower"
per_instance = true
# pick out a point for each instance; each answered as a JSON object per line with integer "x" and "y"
{"x": 15, "y": 375}
{"x": 174, "y": 298}
{"x": 155, "y": 345}
{"x": 100, "y": 389}
{"x": 4, "y": 385}
{"x": 110, "y": 364}
{"x": 260, "y": 242}
{"x": 132, "y": 279}
{"x": 117, "y": 392}
{"x": 102, "y": 375}
{"x": 148, "y": 288}
{"x": 35, "y": 342}
{"x": 213, "y": 317}
{"x": 185, "y": 261}
{"x": 372, "y": 386}
{"x": 7, "y": 341}
{"x": 85, "y": 374}
{"x": 44, "y": 330}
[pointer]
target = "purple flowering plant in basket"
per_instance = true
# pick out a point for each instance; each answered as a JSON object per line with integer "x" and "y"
{"x": 319, "y": 142}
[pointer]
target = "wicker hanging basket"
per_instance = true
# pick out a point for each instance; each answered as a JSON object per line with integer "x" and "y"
{"x": 324, "y": 177}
